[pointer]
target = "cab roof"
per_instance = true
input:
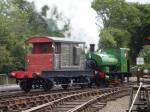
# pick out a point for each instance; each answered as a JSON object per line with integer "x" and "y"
{"x": 53, "y": 39}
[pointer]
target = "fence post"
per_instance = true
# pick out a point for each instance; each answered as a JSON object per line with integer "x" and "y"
{"x": 7, "y": 79}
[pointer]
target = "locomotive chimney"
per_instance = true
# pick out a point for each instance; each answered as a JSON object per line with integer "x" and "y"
{"x": 92, "y": 47}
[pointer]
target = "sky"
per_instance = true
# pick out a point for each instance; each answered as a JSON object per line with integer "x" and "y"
{"x": 82, "y": 17}
{"x": 140, "y": 1}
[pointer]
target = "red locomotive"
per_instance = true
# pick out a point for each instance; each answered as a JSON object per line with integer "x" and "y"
{"x": 53, "y": 61}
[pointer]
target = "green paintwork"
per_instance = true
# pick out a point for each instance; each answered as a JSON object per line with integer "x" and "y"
{"x": 124, "y": 59}
{"x": 107, "y": 58}
{"x": 103, "y": 58}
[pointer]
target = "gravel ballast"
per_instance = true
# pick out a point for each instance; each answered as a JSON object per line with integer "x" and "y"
{"x": 119, "y": 105}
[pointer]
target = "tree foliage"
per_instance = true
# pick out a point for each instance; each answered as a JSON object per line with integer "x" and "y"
{"x": 113, "y": 37}
{"x": 145, "y": 53}
{"x": 125, "y": 24}
{"x": 19, "y": 20}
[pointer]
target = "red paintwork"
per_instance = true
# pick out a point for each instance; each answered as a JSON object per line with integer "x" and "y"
{"x": 38, "y": 48}
{"x": 21, "y": 74}
{"x": 36, "y": 63}
{"x": 41, "y": 58}
{"x": 39, "y": 62}
{"x": 39, "y": 40}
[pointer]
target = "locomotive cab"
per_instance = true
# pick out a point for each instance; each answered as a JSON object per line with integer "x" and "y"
{"x": 49, "y": 54}
{"x": 40, "y": 58}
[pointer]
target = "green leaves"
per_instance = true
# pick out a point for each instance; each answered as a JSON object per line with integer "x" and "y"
{"x": 125, "y": 24}
{"x": 145, "y": 52}
{"x": 113, "y": 37}
{"x": 19, "y": 20}
{"x": 5, "y": 58}
{"x": 107, "y": 39}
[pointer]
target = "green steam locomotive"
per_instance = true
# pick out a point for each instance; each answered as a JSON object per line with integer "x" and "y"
{"x": 113, "y": 62}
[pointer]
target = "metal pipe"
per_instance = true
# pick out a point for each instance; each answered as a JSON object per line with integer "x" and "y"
{"x": 135, "y": 97}
{"x": 92, "y": 47}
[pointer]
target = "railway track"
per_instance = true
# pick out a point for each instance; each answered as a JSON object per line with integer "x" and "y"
{"x": 19, "y": 93}
{"x": 8, "y": 94}
{"x": 89, "y": 101}
{"x": 15, "y": 94}
{"x": 22, "y": 101}
{"x": 33, "y": 99}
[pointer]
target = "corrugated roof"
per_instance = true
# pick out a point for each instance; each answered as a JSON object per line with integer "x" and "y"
{"x": 54, "y": 39}
{"x": 65, "y": 40}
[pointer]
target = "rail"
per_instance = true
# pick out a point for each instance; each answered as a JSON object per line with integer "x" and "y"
{"x": 55, "y": 102}
{"x": 95, "y": 100}
{"x": 24, "y": 101}
{"x": 97, "y": 94}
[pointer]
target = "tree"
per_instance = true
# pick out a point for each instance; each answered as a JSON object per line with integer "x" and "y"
{"x": 5, "y": 59}
{"x": 140, "y": 33}
{"x": 145, "y": 53}
{"x": 125, "y": 24}
{"x": 113, "y": 37}
{"x": 19, "y": 20}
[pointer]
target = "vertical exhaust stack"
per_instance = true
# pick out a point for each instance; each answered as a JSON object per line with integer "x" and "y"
{"x": 92, "y": 47}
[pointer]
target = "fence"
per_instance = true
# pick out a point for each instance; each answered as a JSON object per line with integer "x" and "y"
{"x": 4, "y": 79}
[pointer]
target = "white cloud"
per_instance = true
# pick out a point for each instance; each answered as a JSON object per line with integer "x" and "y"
{"x": 81, "y": 15}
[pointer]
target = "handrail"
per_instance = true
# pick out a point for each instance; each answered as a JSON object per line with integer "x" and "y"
{"x": 135, "y": 97}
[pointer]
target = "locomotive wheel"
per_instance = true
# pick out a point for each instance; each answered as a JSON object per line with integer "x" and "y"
{"x": 21, "y": 84}
{"x": 47, "y": 85}
{"x": 26, "y": 85}
{"x": 83, "y": 86}
{"x": 84, "y": 81}
{"x": 65, "y": 83}
{"x": 97, "y": 81}
{"x": 64, "y": 86}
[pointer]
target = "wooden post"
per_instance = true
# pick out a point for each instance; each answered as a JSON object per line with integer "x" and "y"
{"x": 139, "y": 75}
{"x": 138, "y": 78}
